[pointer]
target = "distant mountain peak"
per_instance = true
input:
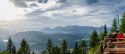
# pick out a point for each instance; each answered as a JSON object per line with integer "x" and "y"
{"x": 74, "y": 29}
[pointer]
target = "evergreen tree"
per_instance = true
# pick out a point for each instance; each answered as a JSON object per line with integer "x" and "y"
{"x": 114, "y": 26}
{"x": 43, "y": 52}
{"x": 122, "y": 26}
{"x": 9, "y": 45}
{"x": 83, "y": 47}
{"x": 19, "y": 51}
{"x": 101, "y": 36}
{"x": 105, "y": 30}
{"x": 49, "y": 45}
{"x": 24, "y": 47}
{"x": 57, "y": 50}
{"x": 76, "y": 49}
{"x": 68, "y": 52}
{"x": 64, "y": 47}
{"x": 33, "y": 52}
{"x": 94, "y": 39}
{"x": 13, "y": 49}
{"x": 53, "y": 50}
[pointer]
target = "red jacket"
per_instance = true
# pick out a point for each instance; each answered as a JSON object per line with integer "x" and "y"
{"x": 120, "y": 35}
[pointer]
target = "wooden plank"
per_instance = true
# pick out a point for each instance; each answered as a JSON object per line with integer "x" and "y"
{"x": 117, "y": 52}
{"x": 115, "y": 49}
{"x": 120, "y": 42}
{"x": 116, "y": 38}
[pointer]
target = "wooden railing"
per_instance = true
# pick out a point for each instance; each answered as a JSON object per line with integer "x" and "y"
{"x": 103, "y": 49}
{"x": 102, "y": 46}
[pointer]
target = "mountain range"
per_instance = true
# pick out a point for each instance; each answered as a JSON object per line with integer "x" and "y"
{"x": 38, "y": 39}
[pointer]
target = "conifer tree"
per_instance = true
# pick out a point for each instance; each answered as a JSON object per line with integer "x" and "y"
{"x": 57, "y": 50}
{"x": 43, "y": 52}
{"x": 13, "y": 49}
{"x": 101, "y": 36}
{"x": 19, "y": 51}
{"x": 24, "y": 47}
{"x": 33, "y": 52}
{"x": 64, "y": 47}
{"x": 53, "y": 50}
{"x": 68, "y": 52}
{"x": 9, "y": 45}
{"x": 49, "y": 45}
{"x": 105, "y": 30}
{"x": 76, "y": 49}
{"x": 122, "y": 26}
{"x": 83, "y": 47}
{"x": 94, "y": 39}
{"x": 114, "y": 25}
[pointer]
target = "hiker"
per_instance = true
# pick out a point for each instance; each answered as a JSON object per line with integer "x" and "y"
{"x": 120, "y": 36}
{"x": 113, "y": 35}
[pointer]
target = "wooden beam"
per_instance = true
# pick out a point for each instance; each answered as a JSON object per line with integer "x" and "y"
{"x": 115, "y": 49}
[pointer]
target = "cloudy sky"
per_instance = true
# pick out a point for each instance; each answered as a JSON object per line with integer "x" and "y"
{"x": 36, "y": 14}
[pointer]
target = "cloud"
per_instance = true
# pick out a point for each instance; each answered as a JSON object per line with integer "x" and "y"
{"x": 90, "y": 2}
{"x": 52, "y": 13}
{"x": 21, "y": 3}
{"x": 42, "y": 1}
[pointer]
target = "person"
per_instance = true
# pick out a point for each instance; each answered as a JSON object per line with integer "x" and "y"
{"x": 120, "y": 36}
{"x": 114, "y": 34}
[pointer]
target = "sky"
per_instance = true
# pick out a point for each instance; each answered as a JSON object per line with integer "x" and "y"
{"x": 37, "y": 14}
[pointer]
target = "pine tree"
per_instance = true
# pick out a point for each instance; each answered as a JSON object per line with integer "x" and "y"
{"x": 64, "y": 47}
{"x": 76, "y": 49}
{"x": 105, "y": 30}
{"x": 43, "y": 52}
{"x": 94, "y": 39}
{"x": 83, "y": 47}
{"x": 19, "y": 51}
{"x": 57, "y": 50}
{"x": 53, "y": 50}
{"x": 122, "y": 26}
{"x": 101, "y": 36}
{"x": 68, "y": 52}
{"x": 9, "y": 45}
{"x": 114, "y": 26}
{"x": 13, "y": 49}
{"x": 33, "y": 52}
{"x": 24, "y": 47}
{"x": 49, "y": 45}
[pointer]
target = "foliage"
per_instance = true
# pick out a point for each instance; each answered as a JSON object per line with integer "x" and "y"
{"x": 122, "y": 26}
{"x": 94, "y": 39}
{"x": 64, "y": 47}
{"x": 24, "y": 47}
{"x": 93, "y": 50}
{"x": 114, "y": 26}
{"x": 49, "y": 45}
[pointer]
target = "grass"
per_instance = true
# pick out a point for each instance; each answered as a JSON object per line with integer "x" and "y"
{"x": 92, "y": 50}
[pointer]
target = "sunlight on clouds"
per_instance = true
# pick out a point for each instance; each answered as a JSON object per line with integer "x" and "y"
{"x": 8, "y": 11}
{"x": 67, "y": 12}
